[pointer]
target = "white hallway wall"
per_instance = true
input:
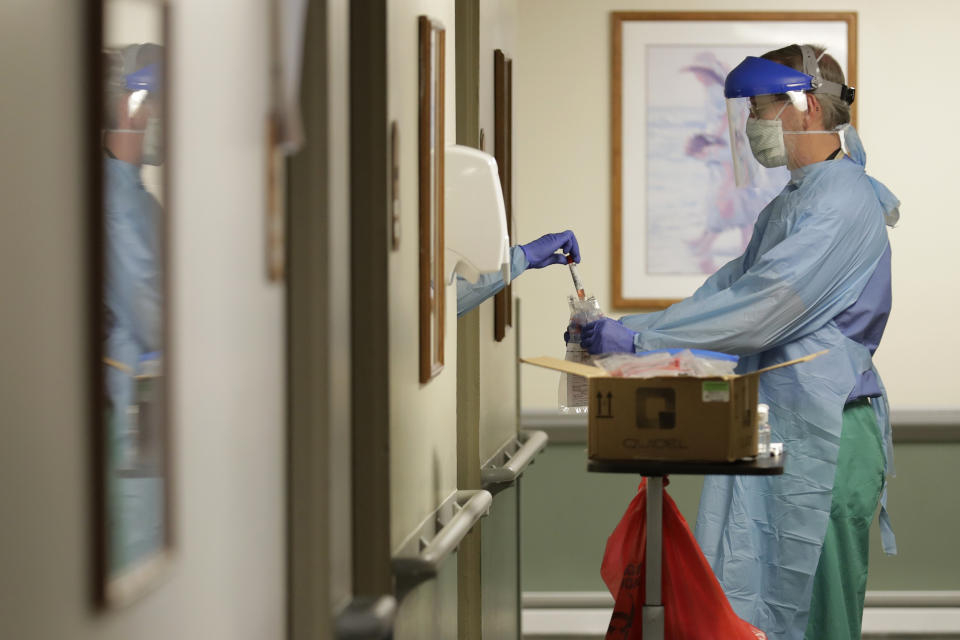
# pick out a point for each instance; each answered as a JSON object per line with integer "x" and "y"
{"x": 423, "y": 417}
{"x": 563, "y": 155}
{"x": 227, "y": 580}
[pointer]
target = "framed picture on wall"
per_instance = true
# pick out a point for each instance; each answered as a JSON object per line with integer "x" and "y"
{"x": 129, "y": 213}
{"x": 431, "y": 143}
{"x": 503, "y": 152}
{"x": 677, "y": 214}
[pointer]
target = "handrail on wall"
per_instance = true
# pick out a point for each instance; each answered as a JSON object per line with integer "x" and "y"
{"x": 518, "y": 453}
{"x": 420, "y": 557}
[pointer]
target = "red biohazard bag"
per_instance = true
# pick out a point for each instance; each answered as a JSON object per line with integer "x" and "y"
{"x": 695, "y": 607}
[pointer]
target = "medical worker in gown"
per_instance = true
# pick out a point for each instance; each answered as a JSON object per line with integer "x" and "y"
{"x": 133, "y": 302}
{"x": 791, "y": 551}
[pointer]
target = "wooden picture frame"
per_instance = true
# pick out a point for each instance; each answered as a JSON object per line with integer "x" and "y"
{"x": 674, "y": 217}
{"x": 503, "y": 153}
{"x": 127, "y": 143}
{"x": 431, "y": 192}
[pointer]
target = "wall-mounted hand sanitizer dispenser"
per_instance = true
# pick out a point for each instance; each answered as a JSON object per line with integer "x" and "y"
{"x": 477, "y": 240}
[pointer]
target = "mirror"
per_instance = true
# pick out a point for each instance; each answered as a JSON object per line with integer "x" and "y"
{"x": 130, "y": 212}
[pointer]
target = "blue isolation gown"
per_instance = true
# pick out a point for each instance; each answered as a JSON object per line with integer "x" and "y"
{"x": 133, "y": 331}
{"x": 815, "y": 249}
{"x": 132, "y": 287}
{"x": 471, "y": 294}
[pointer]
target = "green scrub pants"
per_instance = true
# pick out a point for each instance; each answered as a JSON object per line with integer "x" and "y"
{"x": 836, "y": 608}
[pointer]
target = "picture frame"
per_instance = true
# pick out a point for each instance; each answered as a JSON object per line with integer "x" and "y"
{"x": 431, "y": 196}
{"x": 129, "y": 211}
{"x": 676, "y": 216}
{"x": 503, "y": 153}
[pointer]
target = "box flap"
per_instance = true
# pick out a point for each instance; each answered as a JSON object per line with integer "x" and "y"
{"x": 590, "y": 371}
{"x": 786, "y": 364}
{"x": 585, "y": 370}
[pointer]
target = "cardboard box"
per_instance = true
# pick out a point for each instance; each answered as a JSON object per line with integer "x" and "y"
{"x": 669, "y": 418}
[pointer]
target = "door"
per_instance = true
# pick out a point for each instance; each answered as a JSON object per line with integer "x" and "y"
{"x": 339, "y": 587}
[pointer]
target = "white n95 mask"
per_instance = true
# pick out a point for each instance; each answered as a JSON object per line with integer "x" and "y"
{"x": 153, "y": 142}
{"x": 766, "y": 142}
{"x": 766, "y": 137}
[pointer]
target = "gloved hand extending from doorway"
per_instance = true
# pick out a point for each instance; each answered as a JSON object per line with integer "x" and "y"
{"x": 542, "y": 252}
{"x": 607, "y": 336}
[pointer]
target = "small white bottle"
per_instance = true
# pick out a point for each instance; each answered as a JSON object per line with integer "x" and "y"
{"x": 763, "y": 430}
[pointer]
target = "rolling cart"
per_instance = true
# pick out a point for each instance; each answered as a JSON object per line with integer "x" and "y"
{"x": 654, "y": 471}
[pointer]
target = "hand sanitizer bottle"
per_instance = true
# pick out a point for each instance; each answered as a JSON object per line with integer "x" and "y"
{"x": 763, "y": 430}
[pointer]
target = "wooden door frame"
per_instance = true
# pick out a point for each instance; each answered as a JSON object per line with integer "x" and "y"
{"x": 469, "y": 606}
{"x": 369, "y": 304}
{"x": 309, "y": 489}
{"x": 311, "y": 612}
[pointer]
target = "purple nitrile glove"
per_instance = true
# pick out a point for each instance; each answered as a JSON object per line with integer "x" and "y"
{"x": 542, "y": 252}
{"x": 607, "y": 336}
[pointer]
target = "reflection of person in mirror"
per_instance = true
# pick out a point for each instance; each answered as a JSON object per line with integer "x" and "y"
{"x": 132, "y": 219}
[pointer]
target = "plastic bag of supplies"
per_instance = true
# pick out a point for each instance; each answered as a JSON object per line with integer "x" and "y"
{"x": 695, "y": 607}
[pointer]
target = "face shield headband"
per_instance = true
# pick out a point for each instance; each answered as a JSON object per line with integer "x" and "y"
{"x": 811, "y": 67}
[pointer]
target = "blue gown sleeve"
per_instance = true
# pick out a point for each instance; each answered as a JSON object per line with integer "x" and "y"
{"x": 793, "y": 288}
{"x": 471, "y": 294}
{"x": 718, "y": 281}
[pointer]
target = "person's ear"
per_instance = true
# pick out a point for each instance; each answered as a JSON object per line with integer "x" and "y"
{"x": 814, "y": 115}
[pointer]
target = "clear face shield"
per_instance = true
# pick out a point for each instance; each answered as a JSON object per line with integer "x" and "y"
{"x": 757, "y": 135}
{"x": 144, "y": 85}
{"x": 148, "y": 105}
{"x": 136, "y": 104}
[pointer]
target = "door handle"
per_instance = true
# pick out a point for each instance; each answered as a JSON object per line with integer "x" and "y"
{"x": 518, "y": 454}
{"x": 367, "y": 619}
